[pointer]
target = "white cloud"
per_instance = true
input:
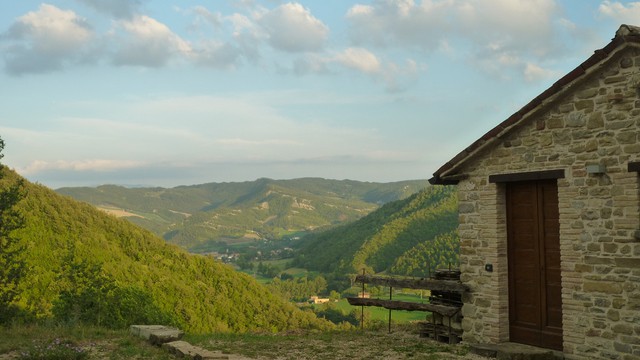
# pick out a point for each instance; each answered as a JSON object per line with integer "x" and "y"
{"x": 525, "y": 26}
{"x": 534, "y": 72}
{"x": 290, "y": 27}
{"x": 117, "y": 8}
{"x": 247, "y": 142}
{"x": 52, "y": 29}
{"x": 214, "y": 19}
{"x": 623, "y": 13}
{"x": 216, "y": 54}
{"x": 100, "y": 165}
{"x": 360, "y": 10}
{"x": 360, "y": 59}
{"x": 147, "y": 42}
{"x": 492, "y": 33}
{"x": 399, "y": 23}
{"x": 396, "y": 77}
{"x": 242, "y": 23}
{"x": 311, "y": 64}
{"x": 522, "y": 24}
{"x": 245, "y": 30}
{"x": 46, "y": 40}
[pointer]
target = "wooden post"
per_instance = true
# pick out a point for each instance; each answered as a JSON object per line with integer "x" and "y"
{"x": 390, "y": 298}
{"x": 362, "y": 307}
{"x": 450, "y": 336}
{"x": 435, "y": 329}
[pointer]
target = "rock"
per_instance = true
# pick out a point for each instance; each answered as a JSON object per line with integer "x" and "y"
{"x": 169, "y": 339}
{"x": 157, "y": 334}
{"x": 184, "y": 349}
{"x": 513, "y": 351}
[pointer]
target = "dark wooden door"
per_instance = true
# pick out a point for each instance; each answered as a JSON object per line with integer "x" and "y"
{"x": 535, "y": 301}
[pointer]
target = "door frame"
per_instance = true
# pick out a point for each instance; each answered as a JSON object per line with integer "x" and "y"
{"x": 502, "y": 181}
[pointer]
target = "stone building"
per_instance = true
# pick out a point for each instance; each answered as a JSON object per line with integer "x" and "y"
{"x": 549, "y": 204}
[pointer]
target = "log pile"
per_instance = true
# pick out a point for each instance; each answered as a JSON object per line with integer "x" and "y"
{"x": 404, "y": 305}
{"x": 445, "y": 302}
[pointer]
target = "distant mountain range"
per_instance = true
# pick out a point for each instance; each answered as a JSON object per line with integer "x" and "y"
{"x": 74, "y": 251}
{"x": 199, "y": 217}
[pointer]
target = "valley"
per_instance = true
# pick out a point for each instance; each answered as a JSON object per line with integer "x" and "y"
{"x": 404, "y": 229}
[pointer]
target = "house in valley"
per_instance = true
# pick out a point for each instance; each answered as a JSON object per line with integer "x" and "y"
{"x": 318, "y": 300}
{"x": 549, "y": 210}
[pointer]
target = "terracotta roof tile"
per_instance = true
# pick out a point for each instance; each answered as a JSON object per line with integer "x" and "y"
{"x": 476, "y": 144}
{"x": 597, "y": 56}
{"x": 512, "y": 120}
{"x": 493, "y": 132}
{"x": 617, "y": 41}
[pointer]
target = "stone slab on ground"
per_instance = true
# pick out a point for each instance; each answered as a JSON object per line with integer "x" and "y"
{"x": 183, "y": 349}
{"x": 169, "y": 339}
{"x": 157, "y": 334}
{"x": 513, "y": 351}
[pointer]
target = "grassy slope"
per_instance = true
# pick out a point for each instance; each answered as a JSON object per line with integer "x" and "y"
{"x": 201, "y": 294}
{"x": 99, "y": 342}
{"x": 192, "y": 215}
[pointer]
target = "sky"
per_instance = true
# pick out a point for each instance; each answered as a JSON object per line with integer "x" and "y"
{"x": 167, "y": 93}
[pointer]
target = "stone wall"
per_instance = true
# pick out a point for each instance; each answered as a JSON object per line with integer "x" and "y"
{"x": 596, "y": 122}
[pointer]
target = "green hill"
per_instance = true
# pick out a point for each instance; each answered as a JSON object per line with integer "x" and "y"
{"x": 406, "y": 237}
{"x": 89, "y": 265}
{"x": 201, "y": 216}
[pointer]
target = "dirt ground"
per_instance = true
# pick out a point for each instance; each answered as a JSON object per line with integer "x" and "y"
{"x": 299, "y": 346}
{"x": 350, "y": 345}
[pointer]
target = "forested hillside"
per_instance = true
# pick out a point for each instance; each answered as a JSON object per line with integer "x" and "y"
{"x": 200, "y": 217}
{"x": 439, "y": 253}
{"x": 407, "y": 237}
{"x": 85, "y": 265}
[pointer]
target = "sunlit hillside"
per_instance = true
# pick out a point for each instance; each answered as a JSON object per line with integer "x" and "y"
{"x": 82, "y": 262}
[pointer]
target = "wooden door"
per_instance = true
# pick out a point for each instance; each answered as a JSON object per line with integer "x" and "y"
{"x": 535, "y": 302}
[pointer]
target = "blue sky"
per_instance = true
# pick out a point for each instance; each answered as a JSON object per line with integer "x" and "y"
{"x": 169, "y": 93}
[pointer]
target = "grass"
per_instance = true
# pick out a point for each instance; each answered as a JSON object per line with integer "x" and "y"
{"x": 280, "y": 263}
{"x": 99, "y": 343}
{"x": 58, "y": 349}
{"x": 295, "y": 272}
{"x": 300, "y": 272}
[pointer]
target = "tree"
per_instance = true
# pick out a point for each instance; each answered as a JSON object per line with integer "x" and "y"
{"x": 11, "y": 260}
{"x": 92, "y": 297}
